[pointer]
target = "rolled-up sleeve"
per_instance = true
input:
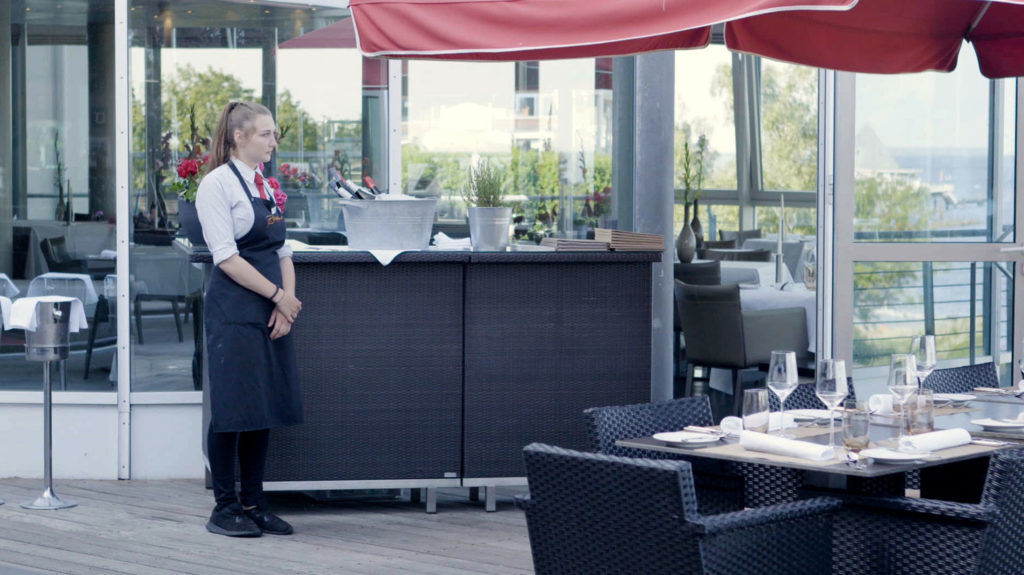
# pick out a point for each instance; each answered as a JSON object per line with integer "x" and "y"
{"x": 284, "y": 251}
{"x": 214, "y": 209}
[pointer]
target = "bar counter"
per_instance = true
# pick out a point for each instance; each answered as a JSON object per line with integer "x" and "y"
{"x": 437, "y": 369}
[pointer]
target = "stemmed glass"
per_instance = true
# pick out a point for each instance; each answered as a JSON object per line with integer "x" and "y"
{"x": 902, "y": 383}
{"x": 922, "y": 347}
{"x": 831, "y": 388}
{"x": 782, "y": 380}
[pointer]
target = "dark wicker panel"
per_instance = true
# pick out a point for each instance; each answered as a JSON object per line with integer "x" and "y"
{"x": 380, "y": 353}
{"x": 543, "y": 343}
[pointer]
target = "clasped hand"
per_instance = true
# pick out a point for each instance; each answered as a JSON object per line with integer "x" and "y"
{"x": 285, "y": 312}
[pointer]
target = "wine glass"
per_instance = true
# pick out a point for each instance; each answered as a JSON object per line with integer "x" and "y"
{"x": 782, "y": 380}
{"x": 1020, "y": 366}
{"x": 923, "y": 349}
{"x": 831, "y": 388}
{"x": 902, "y": 383}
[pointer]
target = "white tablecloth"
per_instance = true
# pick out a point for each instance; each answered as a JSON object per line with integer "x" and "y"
{"x": 7, "y": 287}
{"x": 5, "y": 312}
{"x": 795, "y": 296}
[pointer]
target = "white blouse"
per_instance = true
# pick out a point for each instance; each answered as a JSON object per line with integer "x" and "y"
{"x": 225, "y": 211}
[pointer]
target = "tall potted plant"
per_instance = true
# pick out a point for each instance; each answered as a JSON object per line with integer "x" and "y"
{"x": 489, "y": 218}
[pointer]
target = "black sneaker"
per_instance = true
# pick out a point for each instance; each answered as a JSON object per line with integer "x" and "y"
{"x": 267, "y": 521}
{"x": 231, "y": 521}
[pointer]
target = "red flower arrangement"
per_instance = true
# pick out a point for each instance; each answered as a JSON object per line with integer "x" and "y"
{"x": 293, "y": 177}
{"x": 279, "y": 196}
{"x": 189, "y": 171}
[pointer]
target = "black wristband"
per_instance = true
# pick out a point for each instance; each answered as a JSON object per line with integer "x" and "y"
{"x": 274, "y": 295}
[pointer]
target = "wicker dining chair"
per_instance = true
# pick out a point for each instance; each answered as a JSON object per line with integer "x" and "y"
{"x": 717, "y": 490}
{"x": 721, "y": 486}
{"x": 803, "y": 397}
{"x": 600, "y": 514}
{"x": 962, "y": 379}
{"x": 908, "y": 535}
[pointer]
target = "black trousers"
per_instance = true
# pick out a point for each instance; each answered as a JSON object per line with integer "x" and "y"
{"x": 251, "y": 450}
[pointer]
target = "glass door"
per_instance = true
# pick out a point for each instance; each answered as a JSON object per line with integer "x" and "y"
{"x": 926, "y": 219}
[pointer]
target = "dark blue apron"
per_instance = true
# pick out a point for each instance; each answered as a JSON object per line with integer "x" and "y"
{"x": 254, "y": 381}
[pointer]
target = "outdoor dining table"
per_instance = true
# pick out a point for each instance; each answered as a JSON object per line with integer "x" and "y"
{"x": 882, "y": 430}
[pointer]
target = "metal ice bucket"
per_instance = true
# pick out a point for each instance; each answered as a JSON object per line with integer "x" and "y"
{"x": 49, "y": 342}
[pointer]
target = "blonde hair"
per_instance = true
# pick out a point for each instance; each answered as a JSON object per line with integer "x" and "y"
{"x": 235, "y": 116}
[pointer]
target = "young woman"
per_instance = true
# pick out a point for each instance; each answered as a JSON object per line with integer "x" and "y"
{"x": 250, "y": 307}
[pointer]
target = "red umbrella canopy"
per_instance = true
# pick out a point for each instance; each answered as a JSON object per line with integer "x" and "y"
{"x": 549, "y": 29}
{"x": 874, "y": 36}
{"x": 889, "y": 37}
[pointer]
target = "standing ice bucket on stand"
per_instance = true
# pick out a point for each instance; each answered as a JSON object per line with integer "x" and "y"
{"x": 49, "y": 342}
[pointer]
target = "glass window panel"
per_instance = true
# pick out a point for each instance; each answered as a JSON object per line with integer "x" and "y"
{"x": 789, "y": 126}
{"x": 195, "y": 58}
{"x": 57, "y": 175}
{"x": 548, "y": 123}
{"x": 922, "y": 158}
{"x": 966, "y": 305}
{"x": 704, "y": 106}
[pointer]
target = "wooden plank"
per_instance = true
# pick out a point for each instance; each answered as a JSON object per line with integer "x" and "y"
{"x": 158, "y": 527}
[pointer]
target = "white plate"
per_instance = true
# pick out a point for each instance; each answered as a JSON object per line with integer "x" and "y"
{"x": 885, "y": 455}
{"x": 810, "y": 414}
{"x": 953, "y": 397}
{"x": 686, "y": 437}
{"x": 997, "y": 424}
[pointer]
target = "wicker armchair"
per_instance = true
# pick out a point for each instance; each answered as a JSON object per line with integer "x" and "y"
{"x": 721, "y": 486}
{"x": 718, "y": 491}
{"x": 904, "y": 535}
{"x": 595, "y": 514}
{"x": 962, "y": 379}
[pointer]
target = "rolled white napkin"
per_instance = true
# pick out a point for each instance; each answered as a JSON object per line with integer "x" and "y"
{"x": 880, "y": 403}
{"x": 734, "y": 425}
{"x": 108, "y": 254}
{"x": 935, "y": 440}
{"x": 765, "y": 443}
{"x": 5, "y": 312}
{"x": 23, "y": 313}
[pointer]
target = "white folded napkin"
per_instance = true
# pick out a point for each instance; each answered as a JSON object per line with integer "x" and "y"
{"x": 935, "y": 440}
{"x": 108, "y": 254}
{"x": 5, "y": 312}
{"x": 442, "y": 241}
{"x": 23, "y": 313}
{"x": 734, "y": 425}
{"x": 385, "y": 256}
{"x": 881, "y": 403}
{"x": 754, "y": 441}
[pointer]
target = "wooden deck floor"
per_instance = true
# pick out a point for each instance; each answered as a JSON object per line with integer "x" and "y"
{"x": 157, "y": 528}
